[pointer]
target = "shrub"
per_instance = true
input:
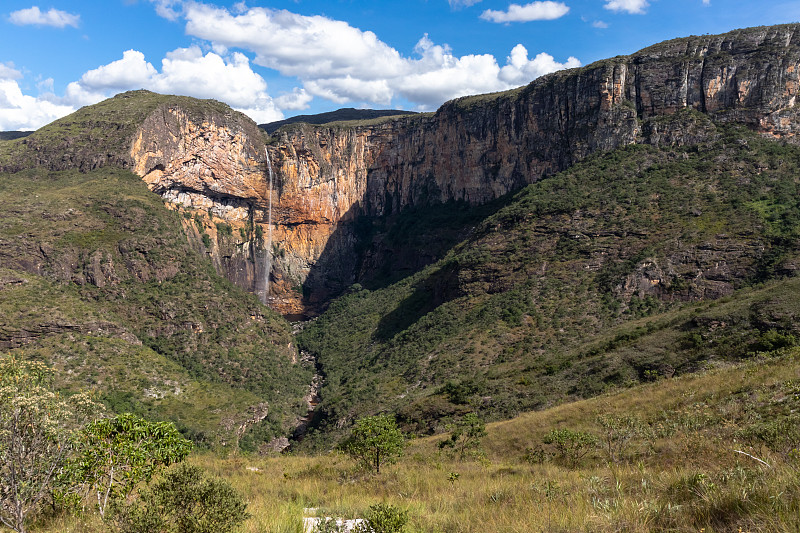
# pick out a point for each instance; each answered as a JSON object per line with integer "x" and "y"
{"x": 36, "y": 428}
{"x": 224, "y": 229}
{"x": 383, "y": 518}
{"x": 618, "y": 433}
{"x": 570, "y": 446}
{"x": 466, "y": 434}
{"x": 117, "y": 453}
{"x": 184, "y": 500}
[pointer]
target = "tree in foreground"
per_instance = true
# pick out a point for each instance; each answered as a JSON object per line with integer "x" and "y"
{"x": 36, "y": 430}
{"x": 375, "y": 440}
{"x": 117, "y": 453}
{"x": 184, "y": 500}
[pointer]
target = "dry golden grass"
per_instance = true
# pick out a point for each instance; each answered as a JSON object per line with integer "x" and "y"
{"x": 685, "y": 474}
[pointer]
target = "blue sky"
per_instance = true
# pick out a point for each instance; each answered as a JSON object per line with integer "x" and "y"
{"x": 286, "y": 57}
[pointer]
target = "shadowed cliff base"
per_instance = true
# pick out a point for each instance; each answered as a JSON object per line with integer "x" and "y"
{"x": 371, "y": 252}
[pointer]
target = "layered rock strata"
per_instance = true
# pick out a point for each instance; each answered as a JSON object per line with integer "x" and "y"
{"x": 473, "y": 149}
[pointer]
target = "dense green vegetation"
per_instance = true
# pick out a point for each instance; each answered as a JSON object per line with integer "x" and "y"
{"x": 632, "y": 266}
{"x": 60, "y": 454}
{"x": 99, "y": 280}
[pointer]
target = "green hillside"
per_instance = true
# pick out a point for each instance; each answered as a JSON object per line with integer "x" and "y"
{"x": 631, "y": 266}
{"x": 99, "y": 280}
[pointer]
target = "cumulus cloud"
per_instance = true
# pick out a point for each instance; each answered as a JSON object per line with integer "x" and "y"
{"x": 342, "y": 63}
{"x": 519, "y": 69}
{"x": 546, "y": 10}
{"x": 21, "y": 112}
{"x": 599, "y": 24}
{"x": 53, "y": 17}
{"x": 186, "y": 71}
{"x": 8, "y": 72}
{"x": 296, "y": 100}
{"x": 297, "y": 45}
{"x": 130, "y": 71}
{"x": 168, "y": 9}
{"x": 458, "y": 4}
{"x": 629, "y": 6}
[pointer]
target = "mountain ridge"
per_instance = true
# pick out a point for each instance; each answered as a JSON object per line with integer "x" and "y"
{"x": 345, "y": 114}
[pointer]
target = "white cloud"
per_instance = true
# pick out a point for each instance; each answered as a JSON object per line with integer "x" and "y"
{"x": 342, "y": 63}
{"x": 8, "y": 72}
{"x": 186, "y": 71}
{"x": 520, "y": 70}
{"x": 53, "y": 17}
{"x": 45, "y": 85}
{"x": 629, "y": 6}
{"x": 546, "y": 10}
{"x": 706, "y": 2}
{"x": 458, "y": 4}
{"x": 130, "y": 71}
{"x": 168, "y": 9}
{"x": 22, "y": 112}
{"x": 296, "y": 100}
{"x": 296, "y": 45}
{"x": 599, "y": 24}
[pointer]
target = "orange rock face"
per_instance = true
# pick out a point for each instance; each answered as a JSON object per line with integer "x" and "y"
{"x": 472, "y": 149}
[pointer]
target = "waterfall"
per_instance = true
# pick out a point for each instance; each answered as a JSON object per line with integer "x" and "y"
{"x": 269, "y": 230}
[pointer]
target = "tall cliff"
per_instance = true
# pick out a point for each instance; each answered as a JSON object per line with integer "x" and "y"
{"x": 210, "y": 161}
{"x": 479, "y": 148}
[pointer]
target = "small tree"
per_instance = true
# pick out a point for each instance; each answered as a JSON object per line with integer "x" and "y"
{"x": 466, "y": 434}
{"x": 618, "y": 432}
{"x": 117, "y": 453}
{"x": 184, "y": 500}
{"x": 36, "y": 427}
{"x": 570, "y": 446}
{"x": 375, "y": 440}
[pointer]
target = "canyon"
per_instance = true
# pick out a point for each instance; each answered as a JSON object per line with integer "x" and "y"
{"x": 211, "y": 164}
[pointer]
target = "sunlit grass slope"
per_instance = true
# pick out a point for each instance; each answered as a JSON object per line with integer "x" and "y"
{"x": 715, "y": 451}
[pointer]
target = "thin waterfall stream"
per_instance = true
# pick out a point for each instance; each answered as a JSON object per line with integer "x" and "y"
{"x": 269, "y": 230}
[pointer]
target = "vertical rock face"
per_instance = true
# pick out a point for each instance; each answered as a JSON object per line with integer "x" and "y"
{"x": 473, "y": 149}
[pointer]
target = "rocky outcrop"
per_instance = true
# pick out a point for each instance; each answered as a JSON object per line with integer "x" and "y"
{"x": 473, "y": 149}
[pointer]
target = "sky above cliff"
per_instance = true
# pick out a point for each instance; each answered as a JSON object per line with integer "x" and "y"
{"x": 287, "y": 57}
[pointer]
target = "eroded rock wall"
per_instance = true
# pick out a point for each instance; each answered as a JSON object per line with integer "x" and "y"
{"x": 473, "y": 149}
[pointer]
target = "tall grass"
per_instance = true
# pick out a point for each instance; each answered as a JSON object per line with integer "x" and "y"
{"x": 682, "y": 471}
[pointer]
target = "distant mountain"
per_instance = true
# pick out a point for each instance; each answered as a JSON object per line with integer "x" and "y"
{"x": 11, "y": 135}
{"x": 340, "y": 115}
